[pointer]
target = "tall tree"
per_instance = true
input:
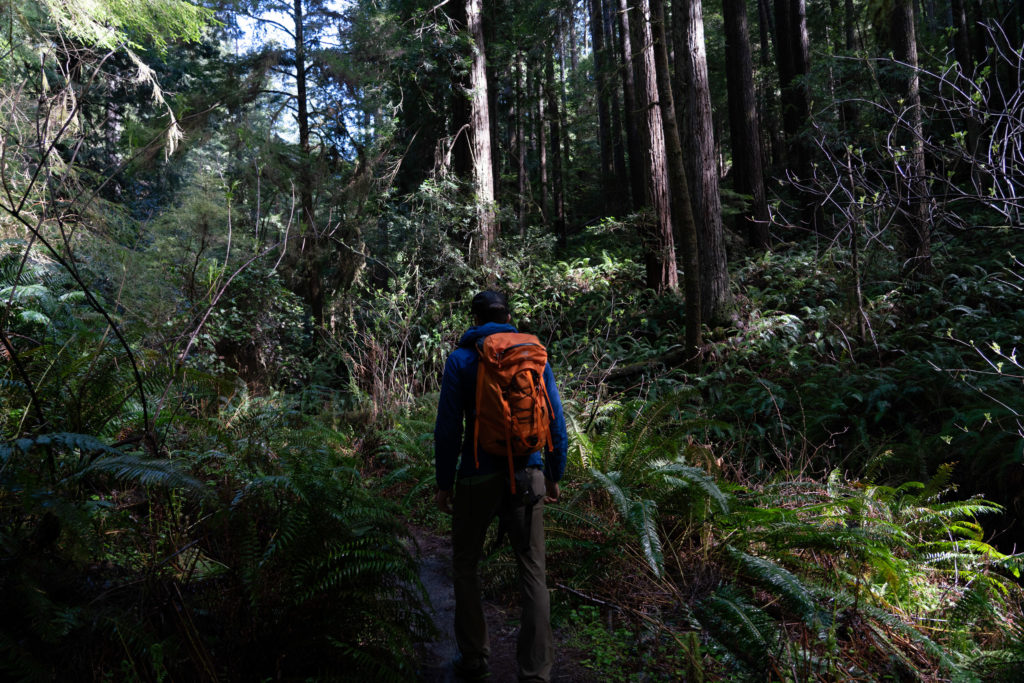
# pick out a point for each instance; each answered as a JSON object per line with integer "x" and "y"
{"x": 542, "y": 140}
{"x": 480, "y": 139}
{"x": 621, "y": 191}
{"x": 910, "y": 171}
{"x": 744, "y": 128}
{"x": 662, "y": 273}
{"x": 522, "y": 178}
{"x": 702, "y": 168}
{"x": 603, "y": 101}
{"x": 304, "y": 23}
{"x": 792, "y": 59}
{"x": 633, "y": 112}
{"x": 685, "y": 227}
{"x": 554, "y": 120}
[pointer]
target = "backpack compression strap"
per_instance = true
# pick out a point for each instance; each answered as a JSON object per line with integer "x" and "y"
{"x": 481, "y": 368}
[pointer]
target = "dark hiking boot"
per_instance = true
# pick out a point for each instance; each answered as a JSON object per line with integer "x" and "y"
{"x": 471, "y": 670}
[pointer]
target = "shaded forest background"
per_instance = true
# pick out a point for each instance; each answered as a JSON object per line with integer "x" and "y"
{"x": 773, "y": 248}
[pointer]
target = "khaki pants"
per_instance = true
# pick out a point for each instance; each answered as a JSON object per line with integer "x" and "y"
{"x": 478, "y": 500}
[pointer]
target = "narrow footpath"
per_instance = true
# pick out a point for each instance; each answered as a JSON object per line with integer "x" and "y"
{"x": 434, "y": 554}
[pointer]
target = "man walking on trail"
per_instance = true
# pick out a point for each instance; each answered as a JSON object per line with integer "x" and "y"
{"x": 499, "y": 476}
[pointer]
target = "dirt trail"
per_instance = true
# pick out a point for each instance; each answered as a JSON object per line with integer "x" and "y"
{"x": 434, "y": 554}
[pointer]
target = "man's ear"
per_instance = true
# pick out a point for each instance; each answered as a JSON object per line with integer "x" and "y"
{"x": 508, "y": 318}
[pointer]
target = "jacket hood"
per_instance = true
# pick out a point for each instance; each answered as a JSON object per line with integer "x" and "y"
{"x": 475, "y": 334}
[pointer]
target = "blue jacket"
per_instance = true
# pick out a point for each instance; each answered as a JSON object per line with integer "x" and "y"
{"x": 456, "y": 408}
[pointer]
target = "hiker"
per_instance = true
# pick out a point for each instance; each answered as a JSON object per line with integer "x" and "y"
{"x": 483, "y": 453}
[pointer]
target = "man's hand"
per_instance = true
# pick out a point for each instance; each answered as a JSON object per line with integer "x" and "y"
{"x": 553, "y": 494}
{"x": 444, "y": 501}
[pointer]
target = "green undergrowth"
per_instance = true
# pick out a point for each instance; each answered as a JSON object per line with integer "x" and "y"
{"x": 251, "y": 544}
{"x": 662, "y": 562}
{"x": 832, "y": 496}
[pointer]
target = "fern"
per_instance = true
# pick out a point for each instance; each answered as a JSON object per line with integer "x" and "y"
{"x": 144, "y": 471}
{"x": 743, "y": 630}
{"x": 676, "y": 474}
{"x": 779, "y": 582}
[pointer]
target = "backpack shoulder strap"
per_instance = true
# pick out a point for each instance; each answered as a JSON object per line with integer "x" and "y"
{"x": 481, "y": 368}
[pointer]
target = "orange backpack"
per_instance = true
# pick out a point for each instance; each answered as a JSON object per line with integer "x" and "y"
{"x": 513, "y": 415}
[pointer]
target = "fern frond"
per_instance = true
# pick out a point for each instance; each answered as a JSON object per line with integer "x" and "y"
{"x": 742, "y": 629}
{"x": 938, "y": 484}
{"x": 644, "y": 520}
{"x": 145, "y": 471}
{"x": 780, "y": 582}
{"x": 677, "y": 474}
{"x": 610, "y": 484}
{"x": 942, "y": 655}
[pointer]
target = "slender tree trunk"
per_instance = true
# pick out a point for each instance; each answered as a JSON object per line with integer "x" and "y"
{"x": 309, "y": 251}
{"x": 542, "y": 150}
{"x": 556, "y": 149}
{"x": 620, "y": 191}
{"x": 570, "y": 19}
{"x": 792, "y": 56}
{"x": 784, "y": 60}
{"x": 662, "y": 273}
{"x": 498, "y": 150}
{"x": 685, "y": 228}
{"x": 764, "y": 27}
{"x": 772, "y": 138}
{"x": 563, "y": 111}
{"x": 603, "y": 109}
{"x": 520, "y": 123}
{"x": 480, "y": 139}
{"x": 632, "y": 111}
{"x": 748, "y": 168}
{"x": 462, "y": 158}
{"x": 849, "y": 110}
{"x": 910, "y": 172}
{"x": 702, "y": 167}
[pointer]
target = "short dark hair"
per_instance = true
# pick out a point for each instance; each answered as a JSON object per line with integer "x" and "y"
{"x": 490, "y": 306}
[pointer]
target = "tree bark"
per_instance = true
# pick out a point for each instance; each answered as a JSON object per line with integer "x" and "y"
{"x": 791, "y": 59}
{"x": 480, "y": 140}
{"x": 309, "y": 250}
{"x": 459, "y": 122}
{"x": 499, "y": 147}
{"x": 662, "y": 274}
{"x": 542, "y": 151}
{"x": 744, "y": 128}
{"x": 702, "y": 167}
{"x": 685, "y": 227}
{"x": 910, "y": 171}
{"x": 553, "y": 114}
{"x": 603, "y": 108}
{"x": 633, "y": 115}
{"x": 620, "y": 192}
{"x": 520, "y": 142}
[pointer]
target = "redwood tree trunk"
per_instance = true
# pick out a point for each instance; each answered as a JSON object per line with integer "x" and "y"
{"x": 621, "y": 186}
{"x": 744, "y": 128}
{"x": 685, "y": 228}
{"x": 553, "y": 114}
{"x": 662, "y": 273}
{"x": 603, "y": 108}
{"x": 702, "y": 168}
{"x": 542, "y": 150}
{"x": 520, "y": 142}
{"x": 633, "y": 113}
{"x": 792, "y": 61}
{"x": 480, "y": 141}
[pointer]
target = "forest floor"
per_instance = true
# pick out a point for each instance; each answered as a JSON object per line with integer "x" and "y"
{"x": 434, "y": 555}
